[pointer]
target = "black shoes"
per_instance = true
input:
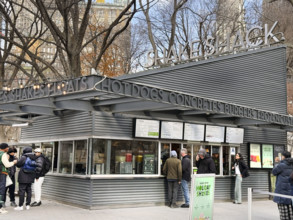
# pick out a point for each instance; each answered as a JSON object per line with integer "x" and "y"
{"x": 185, "y": 206}
{"x": 36, "y": 204}
{"x": 174, "y": 206}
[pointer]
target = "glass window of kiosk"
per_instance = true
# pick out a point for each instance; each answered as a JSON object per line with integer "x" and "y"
{"x": 66, "y": 156}
{"x": 80, "y": 157}
{"x": 47, "y": 150}
{"x": 124, "y": 157}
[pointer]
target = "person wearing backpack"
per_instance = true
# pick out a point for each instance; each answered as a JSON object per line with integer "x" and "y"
{"x": 40, "y": 174}
{"x": 26, "y": 177}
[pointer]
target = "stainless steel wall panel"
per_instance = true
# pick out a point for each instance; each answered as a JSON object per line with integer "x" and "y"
{"x": 255, "y": 79}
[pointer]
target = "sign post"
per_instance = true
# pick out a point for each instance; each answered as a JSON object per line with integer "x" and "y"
{"x": 202, "y": 197}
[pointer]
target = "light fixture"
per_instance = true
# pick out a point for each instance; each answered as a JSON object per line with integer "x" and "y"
{"x": 21, "y": 125}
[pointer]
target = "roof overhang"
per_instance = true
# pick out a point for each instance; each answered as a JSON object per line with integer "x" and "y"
{"x": 129, "y": 99}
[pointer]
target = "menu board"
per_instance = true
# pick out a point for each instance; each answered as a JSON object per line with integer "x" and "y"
{"x": 278, "y": 150}
{"x": 171, "y": 130}
{"x": 215, "y": 133}
{"x": 193, "y": 132}
{"x": 267, "y": 156}
{"x": 255, "y": 156}
{"x": 147, "y": 128}
{"x": 234, "y": 135}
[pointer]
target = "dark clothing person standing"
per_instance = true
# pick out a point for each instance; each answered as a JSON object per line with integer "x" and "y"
{"x": 173, "y": 170}
{"x": 186, "y": 177}
{"x": 26, "y": 177}
{"x": 283, "y": 185}
{"x": 204, "y": 163}
{"x": 40, "y": 174}
{"x": 241, "y": 171}
{"x": 11, "y": 172}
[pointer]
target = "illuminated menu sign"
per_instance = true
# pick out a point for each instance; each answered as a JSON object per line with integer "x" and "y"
{"x": 234, "y": 135}
{"x": 267, "y": 156}
{"x": 193, "y": 132}
{"x": 172, "y": 130}
{"x": 215, "y": 133}
{"x": 255, "y": 156}
{"x": 147, "y": 128}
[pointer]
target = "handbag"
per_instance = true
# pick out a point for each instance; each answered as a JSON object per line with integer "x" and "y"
{"x": 8, "y": 181}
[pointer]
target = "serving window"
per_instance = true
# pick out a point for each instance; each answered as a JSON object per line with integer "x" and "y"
{"x": 124, "y": 157}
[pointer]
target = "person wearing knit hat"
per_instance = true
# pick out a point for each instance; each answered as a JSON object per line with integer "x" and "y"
{"x": 173, "y": 170}
{"x": 4, "y": 164}
{"x": 204, "y": 163}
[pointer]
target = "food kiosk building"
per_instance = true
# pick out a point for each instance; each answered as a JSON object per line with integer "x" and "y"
{"x": 109, "y": 138}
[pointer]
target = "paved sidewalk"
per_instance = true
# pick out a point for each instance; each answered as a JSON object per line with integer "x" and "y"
{"x": 51, "y": 210}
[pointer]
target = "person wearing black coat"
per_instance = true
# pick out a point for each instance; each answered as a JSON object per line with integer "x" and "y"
{"x": 186, "y": 177}
{"x": 241, "y": 171}
{"x": 40, "y": 174}
{"x": 283, "y": 186}
{"x": 11, "y": 172}
{"x": 25, "y": 178}
{"x": 204, "y": 163}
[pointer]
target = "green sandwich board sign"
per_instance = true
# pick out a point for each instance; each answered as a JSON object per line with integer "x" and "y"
{"x": 202, "y": 197}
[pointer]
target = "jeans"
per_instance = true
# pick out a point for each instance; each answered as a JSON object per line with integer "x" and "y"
{"x": 185, "y": 189}
{"x": 237, "y": 192}
{"x": 25, "y": 188}
{"x": 38, "y": 188}
{"x": 2, "y": 187}
{"x": 173, "y": 187}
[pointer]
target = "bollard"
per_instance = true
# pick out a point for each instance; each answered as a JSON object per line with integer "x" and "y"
{"x": 249, "y": 203}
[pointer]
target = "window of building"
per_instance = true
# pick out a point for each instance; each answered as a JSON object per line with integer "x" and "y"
{"x": 48, "y": 149}
{"x": 124, "y": 157}
{"x": 80, "y": 157}
{"x": 66, "y": 156}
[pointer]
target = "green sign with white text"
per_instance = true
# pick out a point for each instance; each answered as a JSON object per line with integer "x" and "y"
{"x": 202, "y": 197}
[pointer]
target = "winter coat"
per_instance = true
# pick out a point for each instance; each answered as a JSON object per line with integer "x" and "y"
{"x": 22, "y": 176}
{"x": 186, "y": 168}
{"x": 205, "y": 165}
{"x": 173, "y": 169}
{"x": 12, "y": 170}
{"x": 40, "y": 162}
{"x": 243, "y": 168}
{"x": 283, "y": 185}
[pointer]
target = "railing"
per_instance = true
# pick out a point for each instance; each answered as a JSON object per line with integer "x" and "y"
{"x": 249, "y": 199}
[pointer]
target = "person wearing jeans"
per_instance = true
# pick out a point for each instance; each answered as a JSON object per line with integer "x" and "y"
{"x": 241, "y": 171}
{"x": 186, "y": 177}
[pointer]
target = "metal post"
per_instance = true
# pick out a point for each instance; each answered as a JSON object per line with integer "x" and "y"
{"x": 249, "y": 203}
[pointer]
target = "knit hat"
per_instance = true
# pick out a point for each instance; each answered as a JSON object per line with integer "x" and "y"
{"x": 202, "y": 152}
{"x": 3, "y": 146}
{"x": 173, "y": 153}
{"x": 38, "y": 150}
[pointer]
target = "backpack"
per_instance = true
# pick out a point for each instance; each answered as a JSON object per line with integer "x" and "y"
{"x": 47, "y": 165}
{"x": 29, "y": 165}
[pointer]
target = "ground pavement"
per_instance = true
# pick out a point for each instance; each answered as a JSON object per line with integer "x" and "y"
{"x": 51, "y": 210}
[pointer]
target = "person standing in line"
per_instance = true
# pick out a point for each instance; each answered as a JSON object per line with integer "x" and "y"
{"x": 283, "y": 186}
{"x": 40, "y": 174}
{"x": 26, "y": 176}
{"x": 186, "y": 177}
{"x": 173, "y": 170}
{"x": 241, "y": 171}
{"x": 204, "y": 163}
{"x": 4, "y": 164}
{"x": 11, "y": 172}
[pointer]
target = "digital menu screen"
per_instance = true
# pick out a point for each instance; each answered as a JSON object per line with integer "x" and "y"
{"x": 193, "y": 132}
{"x": 267, "y": 156}
{"x": 214, "y": 133}
{"x": 171, "y": 130}
{"x": 147, "y": 128}
{"x": 255, "y": 159}
{"x": 234, "y": 135}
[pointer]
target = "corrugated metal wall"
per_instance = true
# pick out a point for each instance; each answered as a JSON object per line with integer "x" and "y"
{"x": 108, "y": 126}
{"x": 255, "y": 79}
{"x": 53, "y": 128}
